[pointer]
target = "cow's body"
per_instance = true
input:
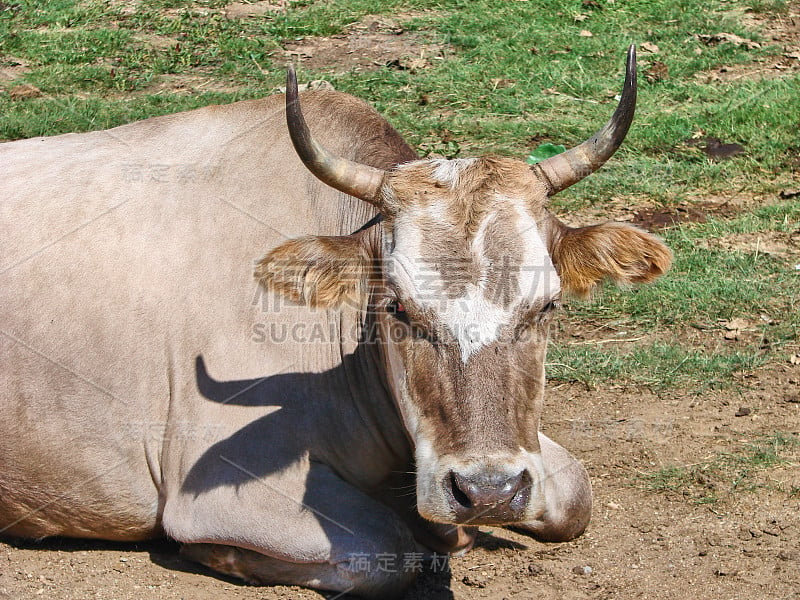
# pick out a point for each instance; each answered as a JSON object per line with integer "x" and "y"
{"x": 137, "y": 349}
{"x": 149, "y": 386}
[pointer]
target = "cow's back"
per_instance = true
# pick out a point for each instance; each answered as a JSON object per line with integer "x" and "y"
{"x": 127, "y": 255}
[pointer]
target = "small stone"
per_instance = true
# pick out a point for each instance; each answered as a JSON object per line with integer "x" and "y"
{"x": 535, "y": 570}
{"x": 613, "y": 506}
{"x": 582, "y": 570}
{"x": 474, "y": 581}
{"x": 743, "y": 411}
{"x": 725, "y": 572}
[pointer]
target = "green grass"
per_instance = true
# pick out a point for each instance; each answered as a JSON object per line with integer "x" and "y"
{"x": 726, "y": 473}
{"x": 659, "y": 365}
{"x": 559, "y": 92}
{"x": 706, "y": 284}
{"x": 99, "y": 64}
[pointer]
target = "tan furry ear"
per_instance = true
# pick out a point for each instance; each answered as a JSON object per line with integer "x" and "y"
{"x": 319, "y": 271}
{"x": 586, "y": 255}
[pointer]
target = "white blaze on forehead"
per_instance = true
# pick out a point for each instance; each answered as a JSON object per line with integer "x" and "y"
{"x": 447, "y": 171}
{"x": 474, "y": 319}
{"x": 537, "y": 276}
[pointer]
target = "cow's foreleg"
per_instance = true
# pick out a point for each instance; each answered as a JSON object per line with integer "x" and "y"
{"x": 568, "y": 496}
{"x": 313, "y": 530}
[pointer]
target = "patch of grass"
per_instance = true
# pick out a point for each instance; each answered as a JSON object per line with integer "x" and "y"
{"x": 770, "y": 7}
{"x": 559, "y": 83}
{"x": 66, "y": 47}
{"x": 658, "y": 365}
{"x": 560, "y": 89}
{"x": 706, "y": 284}
{"x": 713, "y": 480}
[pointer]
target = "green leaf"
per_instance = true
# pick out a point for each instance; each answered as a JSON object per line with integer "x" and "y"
{"x": 544, "y": 151}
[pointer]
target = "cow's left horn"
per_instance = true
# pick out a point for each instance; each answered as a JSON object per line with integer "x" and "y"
{"x": 562, "y": 170}
{"x": 361, "y": 181}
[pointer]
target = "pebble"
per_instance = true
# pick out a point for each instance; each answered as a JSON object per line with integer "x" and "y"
{"x": 474, "y": 581}
{"x": 579, "y": 570}
{"x": 534, "y": 569}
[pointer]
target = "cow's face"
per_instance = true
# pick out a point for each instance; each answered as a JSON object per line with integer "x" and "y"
{"x": 472, "y": 266}
{"x": 470, "y": 290}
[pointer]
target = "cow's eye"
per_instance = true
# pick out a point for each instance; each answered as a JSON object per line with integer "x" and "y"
{"x": 551, "y": 306}
{"x": 538, "y": 315}
{"x": 417, "y": 330}
{"x": 398, "y": 311}
{"x": 547, "y": 311}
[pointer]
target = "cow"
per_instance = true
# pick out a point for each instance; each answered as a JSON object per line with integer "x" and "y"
{"x": 287, "y": 350}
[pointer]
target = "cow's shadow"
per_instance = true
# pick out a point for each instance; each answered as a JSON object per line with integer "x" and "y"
{"x": 268, "y": 444}
{"x": 272, "y": 443}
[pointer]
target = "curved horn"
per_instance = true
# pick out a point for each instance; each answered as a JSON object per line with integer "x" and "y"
{"x": 561, "y": 171}
{"x": 361, "y": 181}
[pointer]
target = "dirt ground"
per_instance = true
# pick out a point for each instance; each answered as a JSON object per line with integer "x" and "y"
{"x": 641, "y": 543}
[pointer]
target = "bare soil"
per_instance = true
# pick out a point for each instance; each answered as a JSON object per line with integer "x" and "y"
{"x": 372, "y": 43}
{"x": 780, "y": 29}
{"x": 642, "y": 543}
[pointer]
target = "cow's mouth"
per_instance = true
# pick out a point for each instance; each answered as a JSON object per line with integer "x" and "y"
{"x": 488, "y": 498}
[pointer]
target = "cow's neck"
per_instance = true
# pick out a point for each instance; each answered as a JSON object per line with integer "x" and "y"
{"x": 366, "y": 411}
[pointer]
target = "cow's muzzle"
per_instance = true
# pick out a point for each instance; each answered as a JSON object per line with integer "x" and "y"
{"x": 488, "y": 497}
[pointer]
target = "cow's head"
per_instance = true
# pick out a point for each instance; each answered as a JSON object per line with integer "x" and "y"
{"x": 473, "y": 268}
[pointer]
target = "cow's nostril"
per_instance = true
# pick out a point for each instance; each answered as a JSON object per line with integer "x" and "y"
{"x": 460, "y": 496}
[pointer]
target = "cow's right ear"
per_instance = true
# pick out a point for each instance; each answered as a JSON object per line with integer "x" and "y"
{"x": 318, "y": 271}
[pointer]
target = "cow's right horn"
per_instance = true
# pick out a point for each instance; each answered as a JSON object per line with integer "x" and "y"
{"x": 562, "y": 170}
{"x": 361, "y": 181}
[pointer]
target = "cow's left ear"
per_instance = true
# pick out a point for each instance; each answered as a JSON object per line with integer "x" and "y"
{"x": 319, "y": 271}
{"x": 586, "y": 255}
